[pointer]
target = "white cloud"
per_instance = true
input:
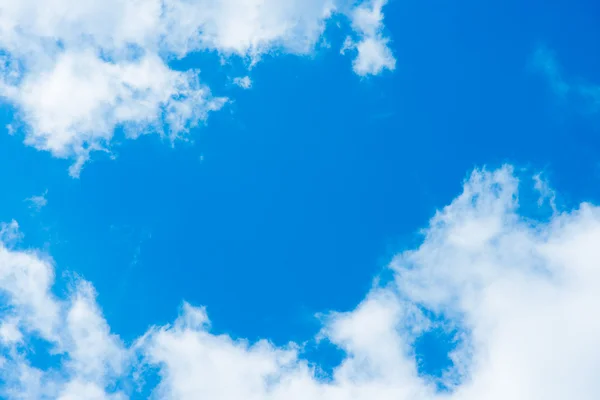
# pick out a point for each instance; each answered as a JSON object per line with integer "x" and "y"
{"x": 547, "y": 194}
{"x": 9, "y": 332}
{"x": 373, "y": 53}
{"x": 76, "y": 106}
{"x": 77, "y": 70}
{"x": 247, "y": 28}
{"x": 243, "y": 82}
{"x": 72, "y": 327}
{"x": 9, "y": 232}
{"x": 522, "y": 293}
{"x": 36, "y": 203}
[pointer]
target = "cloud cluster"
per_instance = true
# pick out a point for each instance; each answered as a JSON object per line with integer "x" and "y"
{"x": 76, "y": 70}
{"x": 521, "y": 293}
{"x": 74, "y": 327}
{"x": 373, "y": 53}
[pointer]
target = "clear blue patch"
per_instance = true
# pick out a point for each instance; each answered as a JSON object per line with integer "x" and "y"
{"x": 432, "y": 353}
{"x": 42, "y": 354}
{"x": 324, "y": 357}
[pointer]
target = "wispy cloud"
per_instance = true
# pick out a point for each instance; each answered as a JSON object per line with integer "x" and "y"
{"x": 521, "y": 293}
{"x": 583, "y": 96}
{"x": 547, "y": 194}
{"x": 36, "y": 203}
{"x": 9, "y": 233}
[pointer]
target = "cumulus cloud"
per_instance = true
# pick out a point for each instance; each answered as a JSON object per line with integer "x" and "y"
{"x": 73, "y": 327}
{"x": 372, "y": 52}
{"x": 519, "y": 292}
{"x": 243, "y": 82}
{"x": 78, "y": 70}
{"x": 583, "y": 96}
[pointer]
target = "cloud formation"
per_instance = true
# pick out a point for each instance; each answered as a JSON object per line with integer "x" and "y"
{"x": 36, "y": 203}
{"x": 373, "y": 53}
{"x": 77, "y": 70}
{"x": 520, "y": 293}
{"x": 583, "y": 96}
{"x": 244, "y": 82}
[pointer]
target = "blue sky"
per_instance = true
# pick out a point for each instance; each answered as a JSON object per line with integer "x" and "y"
{"x": 288, "y": 199}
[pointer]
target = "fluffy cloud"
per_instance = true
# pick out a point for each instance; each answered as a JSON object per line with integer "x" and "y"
{"x": 520, "y": 293}
{"x": 244, "y": 82}
{"x": 373, "y": 53}
{"x": 77, "y": 70}
{"x": 74, "y": 327}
